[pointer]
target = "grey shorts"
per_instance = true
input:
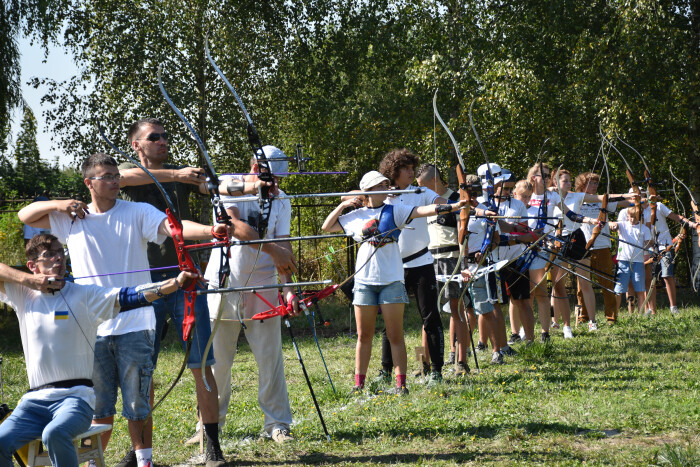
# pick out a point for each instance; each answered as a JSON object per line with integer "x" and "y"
{"x": 667, "y": 264}
{"x": 447, "y": 266}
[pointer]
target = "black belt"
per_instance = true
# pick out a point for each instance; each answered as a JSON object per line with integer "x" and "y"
{"x": 444, "y": 249}
{"x": 65, "y": 384}
{"x": 471, "y": 258}
{"x": 415, "y": 255}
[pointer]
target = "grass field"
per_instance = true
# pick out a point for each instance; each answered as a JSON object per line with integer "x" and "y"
{"x": 628, "y": 395}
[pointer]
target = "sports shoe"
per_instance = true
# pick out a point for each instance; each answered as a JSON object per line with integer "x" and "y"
{"x": 554, "y": 325}
{"x": 396, "y": 391}
{"x": 507, "y": 351}
{"x": 674, "y": 310}
{"x": 434, "y": 379}
{"x": 497, "y": 358}
{"x": 214, "y": 457}
{"x": 194, "y": 439}
{"x": 544, "y": 337}
{"x": 514, "y": 339}
{"x": 383, "y": 377}
{"x": 462, "y": 369}
{"x": 592, "y": 326}
{"x": 418, "y": 373}
{"x": 281, "y": 435}
{"x": 522, "y": 333}
{"x": 356, "y": 391}
{"x": 480, "y": 347}
{"x": 450, "y": 359}
{"x": 129, "y": 460}
{"x": 567, "y": 332}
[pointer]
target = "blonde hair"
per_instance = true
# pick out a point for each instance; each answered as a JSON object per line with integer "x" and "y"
{"x": 534, "y": 170}
{"x": 523, "y": 186}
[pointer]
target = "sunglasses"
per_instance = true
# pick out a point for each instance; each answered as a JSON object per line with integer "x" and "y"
{"x": 107, "y": 178}
{"x": 51, "y": 255}
{"x": 155, "y": 137}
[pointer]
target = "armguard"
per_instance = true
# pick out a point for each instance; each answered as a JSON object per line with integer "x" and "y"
{"x": 131, "y": 298}
{"x": 575, "y": 217}
{"x": 503, "y": 240}
{"x": 235, "y": 186}
{"x": 442, "y": 208}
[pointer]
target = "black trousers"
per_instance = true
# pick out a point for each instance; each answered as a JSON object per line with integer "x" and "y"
{"x": 420, "y": 281}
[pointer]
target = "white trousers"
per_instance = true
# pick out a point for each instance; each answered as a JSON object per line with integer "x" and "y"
{"x": 265, "y": 340}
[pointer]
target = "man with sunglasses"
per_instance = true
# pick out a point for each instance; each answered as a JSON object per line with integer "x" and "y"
{"x": 149, "y": 140}
{"x": 106, "y": 239}
{"x": 58, "y": 323}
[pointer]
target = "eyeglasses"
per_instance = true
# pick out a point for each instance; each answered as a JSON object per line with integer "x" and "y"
{"x": 155, "y": 137}
{"x": 110, "y": 178}
{"x": 51, "y": 255}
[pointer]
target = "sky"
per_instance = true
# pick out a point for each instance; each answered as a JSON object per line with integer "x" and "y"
{"x": 58, "y": 65}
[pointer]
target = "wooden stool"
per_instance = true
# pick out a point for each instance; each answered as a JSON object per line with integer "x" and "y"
{"x": 85, "y": 454}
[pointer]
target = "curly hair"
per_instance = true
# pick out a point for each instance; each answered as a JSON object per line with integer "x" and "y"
{"x": 396, "y": 160}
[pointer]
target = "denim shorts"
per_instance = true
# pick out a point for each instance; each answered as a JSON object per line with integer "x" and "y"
{"x": 373, "y": 295}
{"x": 667, "y": 264}
{"x": 123, "y": 361}
{"x": 627, "y": 272}
{"x": 480, "y": 296}
{"x": 174, "y": 305}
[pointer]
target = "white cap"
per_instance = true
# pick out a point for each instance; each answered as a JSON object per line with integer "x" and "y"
{"x": 371, "y": 179}
{"x": 482, "y": 172}
{"x": 277, "y": 166}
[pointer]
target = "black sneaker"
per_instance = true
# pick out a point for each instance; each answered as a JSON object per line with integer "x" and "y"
{"x": 497, "y": 358}
{"x": 214, "y": 456}
{"x": 450, "y": 359}
{"x": 129, "y": 460}
{"x": 480, "y": 347}
{"x": 544, "y": 337}
{"x": 395, "y": 391}
{"x": 514, "y": 339}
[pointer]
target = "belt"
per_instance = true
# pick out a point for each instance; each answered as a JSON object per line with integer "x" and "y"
{"x": 65, "y": 384}
{"x": 444, "y": 249}
{"x": 415, "y": 255}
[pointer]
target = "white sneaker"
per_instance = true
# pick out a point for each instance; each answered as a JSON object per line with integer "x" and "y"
{"x": 648, "y": 313}
{"x": 592, "y": 326}
{"x": 674, "y": 310}
{"x": 522, "y": 333}
{"x": 567, "y": 332}
{"x": 554, "y": 325}
{"x": 281, "y": 435}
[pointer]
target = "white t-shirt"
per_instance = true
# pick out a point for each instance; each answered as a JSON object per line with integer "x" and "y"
{"x": 113, "y": 241}
{"x": 415, "y": 239}
{"x": 592, "y": 210}
{"x": 664, "y": 235}
{"x": 384, "y": 266}
{"x": 477, "y": 231}
{"x": 638, "y": 235}
{"x": 573, "y": 201}
{"x": 58, "y": 335}
{"x": 533, "y": 210}
{"x": 512, "y": 207}
{"x": 242, "y": 260}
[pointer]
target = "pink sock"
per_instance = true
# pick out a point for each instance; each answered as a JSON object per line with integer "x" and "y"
{"x": 400, "y": 381}
{"x": 360, "y": 380}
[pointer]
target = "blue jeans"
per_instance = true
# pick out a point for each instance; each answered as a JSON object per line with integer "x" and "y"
{"x": 57, "y": 422}
{"x": 174, "y": 305}
{"x": 123, "y": 361}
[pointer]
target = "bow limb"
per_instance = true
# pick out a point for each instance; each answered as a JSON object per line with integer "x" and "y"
{"x": 462, "y": 232}
{"x": 696, "y": 217}
{"x": 629, "y": 173}
{"x": 264, "y": 171}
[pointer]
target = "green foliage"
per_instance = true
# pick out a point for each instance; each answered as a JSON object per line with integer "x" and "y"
{"x": 11, "y": 236}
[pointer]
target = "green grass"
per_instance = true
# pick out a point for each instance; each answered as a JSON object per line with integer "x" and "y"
{"x": 628, "y": 394}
